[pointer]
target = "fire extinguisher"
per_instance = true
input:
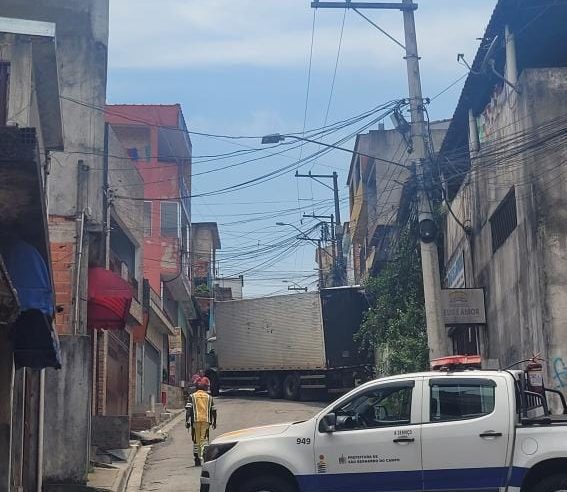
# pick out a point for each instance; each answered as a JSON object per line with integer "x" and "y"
{"x": 535, "y": 377}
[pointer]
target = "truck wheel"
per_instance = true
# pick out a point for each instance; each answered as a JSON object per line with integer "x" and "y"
{"x": 274, "y": 385}
{"x": 266, "y": 483}
{"x": 554, "y": 483}
{"x": 215, "y": 383}
{"x": 292, "y": 387}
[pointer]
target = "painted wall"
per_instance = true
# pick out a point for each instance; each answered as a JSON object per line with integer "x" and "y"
{"x": 138, "y": 127}
{"x": 67, "y": 409}
{"x": 525, "y": 280}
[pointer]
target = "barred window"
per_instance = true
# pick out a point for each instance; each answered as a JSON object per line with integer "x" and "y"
{"x": 504, "y": 220}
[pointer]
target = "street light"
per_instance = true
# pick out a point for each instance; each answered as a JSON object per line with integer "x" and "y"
{"x": 305, "y": 237}
{"x": 294, "y": 286}
{"x": 317, "y": 242}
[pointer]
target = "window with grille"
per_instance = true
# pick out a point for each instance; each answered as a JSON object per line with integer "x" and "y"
{"x": 147, "y": 219}
{"x": 4, "y": 85}
{"x": 170, "y": 219}
{"x": 504, "y": 220}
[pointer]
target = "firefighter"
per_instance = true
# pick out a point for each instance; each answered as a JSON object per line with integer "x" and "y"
{"x": 200, "y": 415}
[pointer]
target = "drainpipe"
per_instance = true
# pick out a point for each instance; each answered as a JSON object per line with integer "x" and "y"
{"x": 106, "y": 200}
{"x": 78, "y": 273}
{"x": 511, "y": 62}
{"x": 474, "y": 143}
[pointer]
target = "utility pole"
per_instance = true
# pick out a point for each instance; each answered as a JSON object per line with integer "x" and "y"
{"x": 333, "y": 233}
{"x": 303, "y": 237}
{"x": 436, "y": 335}
{"x": 338, "y": 226}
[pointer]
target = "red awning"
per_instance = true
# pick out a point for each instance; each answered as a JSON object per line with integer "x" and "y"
{"x": 109, "y": 300}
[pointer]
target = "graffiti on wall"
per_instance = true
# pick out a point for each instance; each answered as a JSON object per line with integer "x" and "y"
{"x": 559, "y": 372}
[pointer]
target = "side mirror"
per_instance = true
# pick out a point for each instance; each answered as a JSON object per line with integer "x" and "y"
{"x": 328, "y": 423}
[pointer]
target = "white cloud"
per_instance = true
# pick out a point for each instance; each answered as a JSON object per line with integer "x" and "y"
{"x": 271, "y": 33}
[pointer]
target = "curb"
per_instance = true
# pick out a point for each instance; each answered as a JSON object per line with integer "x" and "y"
{"x": 128, "y": 471}
{"x": 136, "y": 473}
{"x": 165, "y": 424}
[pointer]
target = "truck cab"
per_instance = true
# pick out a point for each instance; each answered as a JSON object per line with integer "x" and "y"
{"x": 454, "y": 430}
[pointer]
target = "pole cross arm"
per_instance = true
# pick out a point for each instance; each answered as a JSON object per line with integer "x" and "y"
{"x": 363, "y": 5}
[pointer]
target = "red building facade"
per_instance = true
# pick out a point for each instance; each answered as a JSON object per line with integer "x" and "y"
{"x": 156, "y": 139}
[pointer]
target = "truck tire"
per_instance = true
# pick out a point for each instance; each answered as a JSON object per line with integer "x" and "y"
{"x": 274, "y": 386}
{"x": 292, "y": 387}
{"x": 554, "y": 483}
{"x": 266, "y": 483}
{"x": 215, "y": 383}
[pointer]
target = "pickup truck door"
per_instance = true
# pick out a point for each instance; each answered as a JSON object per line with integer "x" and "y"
{"x": 377, "y": 442}
{"x": 465, "y": 432}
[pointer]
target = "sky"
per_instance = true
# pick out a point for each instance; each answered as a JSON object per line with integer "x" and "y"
{"x": 249, "y": 68}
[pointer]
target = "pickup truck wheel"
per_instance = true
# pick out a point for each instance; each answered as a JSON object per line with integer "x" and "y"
{"x": 292, "y": 387}
{"x": 554, "y": 483}
{"x": 274, "y": 385}
{"x": 266, "y": 483}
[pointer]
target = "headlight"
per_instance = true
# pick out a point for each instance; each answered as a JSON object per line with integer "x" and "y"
{"x": 215, "y": 451}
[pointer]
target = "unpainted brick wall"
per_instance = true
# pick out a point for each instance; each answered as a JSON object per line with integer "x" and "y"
{"x": 63, "y": 264}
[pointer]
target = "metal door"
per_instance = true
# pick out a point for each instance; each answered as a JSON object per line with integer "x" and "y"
{"x": 152, "y": 373}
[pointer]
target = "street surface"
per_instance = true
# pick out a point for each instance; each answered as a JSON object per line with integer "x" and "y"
{"x": 169, "y": 467}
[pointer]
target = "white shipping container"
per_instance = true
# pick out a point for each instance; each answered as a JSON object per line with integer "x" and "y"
{"x": 270, "y": 333}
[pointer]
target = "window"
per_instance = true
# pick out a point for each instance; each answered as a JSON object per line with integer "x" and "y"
{"x": 4, "y": 85}
{"x": 170, "y": 219}
{"x": 466, "y": 340}
{"x": 453, "y": 399}
{"x": 385, "y": 406}
{"x": 122, "y": 254}
{"x": 147, "y": 219}
{"x": 504, "y": 220}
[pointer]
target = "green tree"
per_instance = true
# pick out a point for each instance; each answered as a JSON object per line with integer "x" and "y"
{"x": 394, "y": 327}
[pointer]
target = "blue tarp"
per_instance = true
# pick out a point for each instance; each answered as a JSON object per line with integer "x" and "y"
{"x": 29, "y": 275}
{"x": 35, "y": 342}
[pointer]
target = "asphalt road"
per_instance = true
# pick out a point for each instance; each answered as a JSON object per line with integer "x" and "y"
{"x": 170, "y": 467}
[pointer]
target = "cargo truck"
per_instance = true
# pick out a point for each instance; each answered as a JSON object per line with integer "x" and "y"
{"x": 290, "y": 344}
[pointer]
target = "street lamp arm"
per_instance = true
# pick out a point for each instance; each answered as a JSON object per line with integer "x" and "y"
{"x": 277, "y": 138}
{"x": 304, "y": 237}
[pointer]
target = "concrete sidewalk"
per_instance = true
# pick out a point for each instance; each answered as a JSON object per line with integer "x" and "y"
{"x": 135, "y": 478}
{"x": 115, "y": 477}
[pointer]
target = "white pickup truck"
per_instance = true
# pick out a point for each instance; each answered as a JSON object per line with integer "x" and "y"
{"x": 434, "y": 431}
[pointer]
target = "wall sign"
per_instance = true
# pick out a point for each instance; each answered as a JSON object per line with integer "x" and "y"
{"x": 463, "y": 306}
{"x": 175, "y": 342}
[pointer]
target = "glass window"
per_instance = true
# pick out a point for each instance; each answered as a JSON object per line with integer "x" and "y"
{"x": 380, "y": 407}
{"x": 461, "y": 400}
{"x": 147, "y": 219}
{"x": 170, "y": 219}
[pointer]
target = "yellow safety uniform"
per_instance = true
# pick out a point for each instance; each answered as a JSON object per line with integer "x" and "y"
{"x": 202, "y": 415}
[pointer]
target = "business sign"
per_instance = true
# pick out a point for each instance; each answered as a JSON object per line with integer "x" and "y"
{"x": 456, "y": 272}
{"x": 463, "y": 306}
{"x": 175, "y": 342}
